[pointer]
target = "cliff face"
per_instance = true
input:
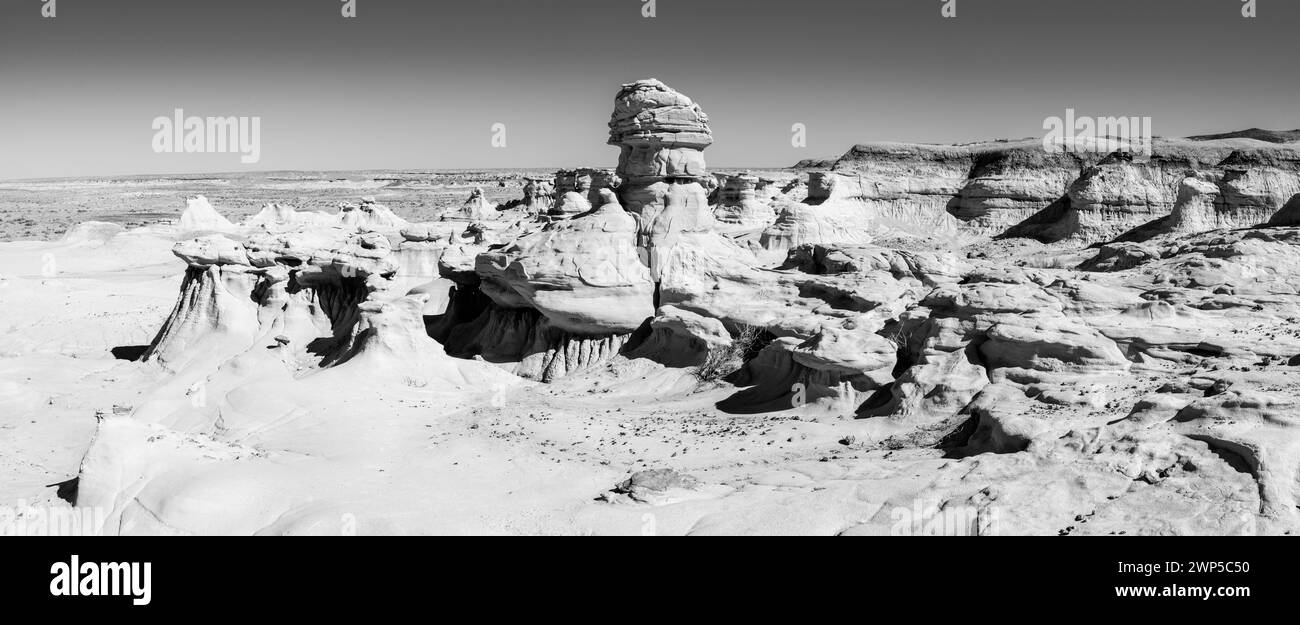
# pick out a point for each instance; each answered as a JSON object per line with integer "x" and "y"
{"x": 1005, "y": 187}
{"x": 1018, "y": 189}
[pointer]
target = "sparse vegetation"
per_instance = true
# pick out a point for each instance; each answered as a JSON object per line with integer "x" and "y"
{"x": 724, "y": 361}
{"x": 899, "y": 335}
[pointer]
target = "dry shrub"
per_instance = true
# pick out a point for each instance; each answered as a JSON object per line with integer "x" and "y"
{"x": 724, "y": 361}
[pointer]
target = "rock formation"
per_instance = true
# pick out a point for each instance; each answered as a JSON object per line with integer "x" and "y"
{"x": 284, "y": 217}
{"x": 739, "y": 204}
{"x": 1194, "y": 207}
{"x": 584, "y": 275}
{"x": 578, "y": 190}
{"x": 476, "y": 207}
{"x": 661, "y": 135}
{"x": 1116, "y": 332}
{"x": 199, "y": 215}
{"x": 539, "y": 196}
{"x": 1289, "y": 215}
{"x": 369, "y": 214}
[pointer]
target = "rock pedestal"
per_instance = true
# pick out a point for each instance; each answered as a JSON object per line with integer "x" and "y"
{"x": 662, "y": 135}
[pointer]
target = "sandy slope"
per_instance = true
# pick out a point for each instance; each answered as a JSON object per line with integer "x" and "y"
{"x": 57, "y": 331}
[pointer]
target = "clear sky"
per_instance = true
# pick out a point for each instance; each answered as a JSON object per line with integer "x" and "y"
{"x": 410, "y": 84}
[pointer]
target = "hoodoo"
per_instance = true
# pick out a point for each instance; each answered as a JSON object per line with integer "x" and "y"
{"x": 662, "y": 135}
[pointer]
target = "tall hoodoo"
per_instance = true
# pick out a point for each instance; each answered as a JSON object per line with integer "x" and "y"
{"x": 662, "y": 135}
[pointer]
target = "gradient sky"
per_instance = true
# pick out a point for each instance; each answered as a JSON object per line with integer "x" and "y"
{"x": 412, "y": 84}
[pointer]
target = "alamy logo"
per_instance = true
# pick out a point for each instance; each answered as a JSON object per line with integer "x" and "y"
{"x": 799, "y": 135}
{"x": 28, "y": 520}
{"x": 102, "y": 579}
{"x": 193, "y": 134}
{"x": 1102, "y": 134}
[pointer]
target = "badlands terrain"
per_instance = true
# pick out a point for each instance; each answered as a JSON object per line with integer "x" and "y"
{"x": 934, "y": 339}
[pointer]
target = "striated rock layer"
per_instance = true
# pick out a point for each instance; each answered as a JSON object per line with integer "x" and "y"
{"x": 1017, "y": 189}
{"x": 661, "y": 135}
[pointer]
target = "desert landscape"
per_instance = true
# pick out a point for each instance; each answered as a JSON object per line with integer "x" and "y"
{"x": 986, "y": 338}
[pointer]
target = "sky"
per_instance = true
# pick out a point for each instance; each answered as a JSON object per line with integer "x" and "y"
{"x": 420, "y": 84}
